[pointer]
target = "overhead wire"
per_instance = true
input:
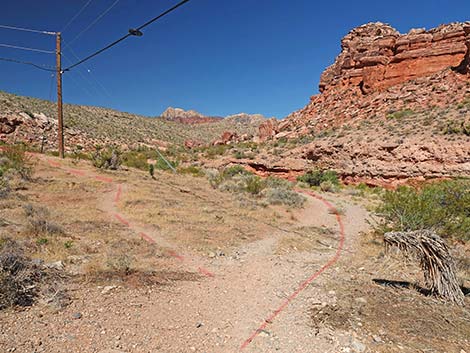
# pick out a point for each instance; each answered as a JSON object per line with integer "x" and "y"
{"x": 94, "y": 22}
{"x": 27, "y": 30}
{"x": 27, "y": 48}
{"x": 38, "y": 66}
{"x": 95, "y": 84}
{"x": 76, "y": 15}
{"x": 132, "y": 32}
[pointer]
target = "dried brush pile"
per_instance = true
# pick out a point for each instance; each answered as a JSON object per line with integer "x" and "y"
{"x": 434, "y": 258}
{"x": 24, "y": 281}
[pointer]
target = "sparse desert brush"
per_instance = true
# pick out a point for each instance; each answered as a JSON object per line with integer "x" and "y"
{"x": 106, "y": 158}
{"x": 23, "y": 281}
{"x": 191, "y": 170}
{"x": 282, "y": 196}
{"x": 400, "y": 114}
{"x": 443, "y": 207}
{"x": 13, "y": 158}
{"x": 39, "y": 222}
{"x": 317, "y": 177}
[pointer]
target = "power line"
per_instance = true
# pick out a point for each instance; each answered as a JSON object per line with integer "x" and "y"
{"x": 41, "y": 67}
{"x": 94, "y": 22}
{"x": 76, "y": 15}
{"x": 132, "y": 32}
{"x": 27, "y": 30}
{"x": 26, "y": 48}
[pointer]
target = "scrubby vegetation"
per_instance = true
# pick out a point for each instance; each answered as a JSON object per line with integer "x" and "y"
{"x": 443, "y": 207}
{"x": 106, "y": 158}
{"x": 327, "y": 180}
{"x": 14, "y": 159}
{"x": 237, "y": 179}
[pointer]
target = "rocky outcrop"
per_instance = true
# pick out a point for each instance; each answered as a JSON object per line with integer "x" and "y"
{"x": 381, "y": 75}
{"x": 187, "y": 116}
{"x": 376, "y": 56}
{"x": 380, "y": 70}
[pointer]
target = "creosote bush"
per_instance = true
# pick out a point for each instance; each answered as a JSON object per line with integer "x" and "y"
{"x": 327, "y": 180}
{"x": 443, "y": 207}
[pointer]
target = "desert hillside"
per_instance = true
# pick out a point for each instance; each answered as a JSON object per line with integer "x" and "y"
{"x": 25, "y": 119}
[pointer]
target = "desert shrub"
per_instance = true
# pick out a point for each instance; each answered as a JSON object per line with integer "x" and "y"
{"x": 191, "y": 170}
{"x": 278, "y": 183}
{"x": 234, "y": 170}
{"x": 443, "y": 207}
{"x": 18, "y": 277}
{"x": 253, "y": 184}
{"x": 14, "y": 158}
{"x": 39, "y": 223}
{"x": 281, "y": 196}
{"x": 5, "y": 188}
{"x": 152, "y": 170}
{"x": 317, "y": 177}
{"x": 106, "y": 158}
{"x": 400, "y": 114}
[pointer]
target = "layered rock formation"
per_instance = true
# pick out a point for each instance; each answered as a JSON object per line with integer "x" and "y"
{"x": 376, "y": 56}
{"x": 187, "y": 116}
{"x": 380, "y": 74}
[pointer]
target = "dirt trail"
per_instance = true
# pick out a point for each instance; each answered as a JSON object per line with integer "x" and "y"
{"x": 236, "y": 293}
{"x": 222, "y": 313}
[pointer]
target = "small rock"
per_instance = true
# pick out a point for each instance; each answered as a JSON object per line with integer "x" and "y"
{"x": 358, "y": 346}
{"x": 378, "y": 339}
{"x": 108, "y": 289}
{"x": 58, "y": 265}
{"x": 199, "y": 324}
{"x": 212, "y": 255}
{"x": 361, "y": 300}
{"x": 77, "y": 316}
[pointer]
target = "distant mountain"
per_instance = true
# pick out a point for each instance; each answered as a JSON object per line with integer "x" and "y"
{"x": 193, "y": 117}
{"x": 187, "y": 116}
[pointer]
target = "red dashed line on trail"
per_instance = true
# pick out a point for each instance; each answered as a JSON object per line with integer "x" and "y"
{"x": 175, "y": 255}
{"x": 121, "y": 219}
{"x": 76, "y": 172}
{"x": 309, "y": 280}
{"x": 147, "y": 238}
{"x": 103, "y": 179}
{"x": 53, "y": 164}
{"x": 205, "y": 272}
{"x": 117, "y": 198}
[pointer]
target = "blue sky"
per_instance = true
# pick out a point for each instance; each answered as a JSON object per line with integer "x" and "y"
{"x": 219, "y": 57}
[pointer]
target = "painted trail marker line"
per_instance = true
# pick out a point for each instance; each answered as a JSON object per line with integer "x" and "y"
{"x": 309, "y": 280}
{"x": 119, "y": 217}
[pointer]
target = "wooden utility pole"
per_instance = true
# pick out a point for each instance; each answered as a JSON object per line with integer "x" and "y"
{"x": 60, "y": 116}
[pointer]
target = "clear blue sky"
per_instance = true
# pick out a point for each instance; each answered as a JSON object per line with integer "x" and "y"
{"x": 216, "y": 56}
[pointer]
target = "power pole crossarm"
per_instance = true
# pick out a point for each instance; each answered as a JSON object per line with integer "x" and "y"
{"x": 60, "y": 115}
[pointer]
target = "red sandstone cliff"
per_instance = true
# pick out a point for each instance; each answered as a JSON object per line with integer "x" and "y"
{"x": 386, "y": 107}
{"x": 379, "y": 70}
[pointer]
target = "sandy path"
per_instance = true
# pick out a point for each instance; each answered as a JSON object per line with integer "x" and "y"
{"x": 220, "y": 312}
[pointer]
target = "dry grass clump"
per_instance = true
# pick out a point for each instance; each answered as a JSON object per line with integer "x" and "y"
{"x": 434, "y": 259}
{"x": 39, "y": 223}
{"x": 24, "y": 281}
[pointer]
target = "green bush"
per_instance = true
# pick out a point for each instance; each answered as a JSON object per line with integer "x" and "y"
{"x": 443, "y": 207}
{"x": 106, "y": 158}
{"x": 317, "y": 177}
{"x": 191, "y": 170}
{"x": 282, "y": 196}
{"x": 14, "y": 158}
